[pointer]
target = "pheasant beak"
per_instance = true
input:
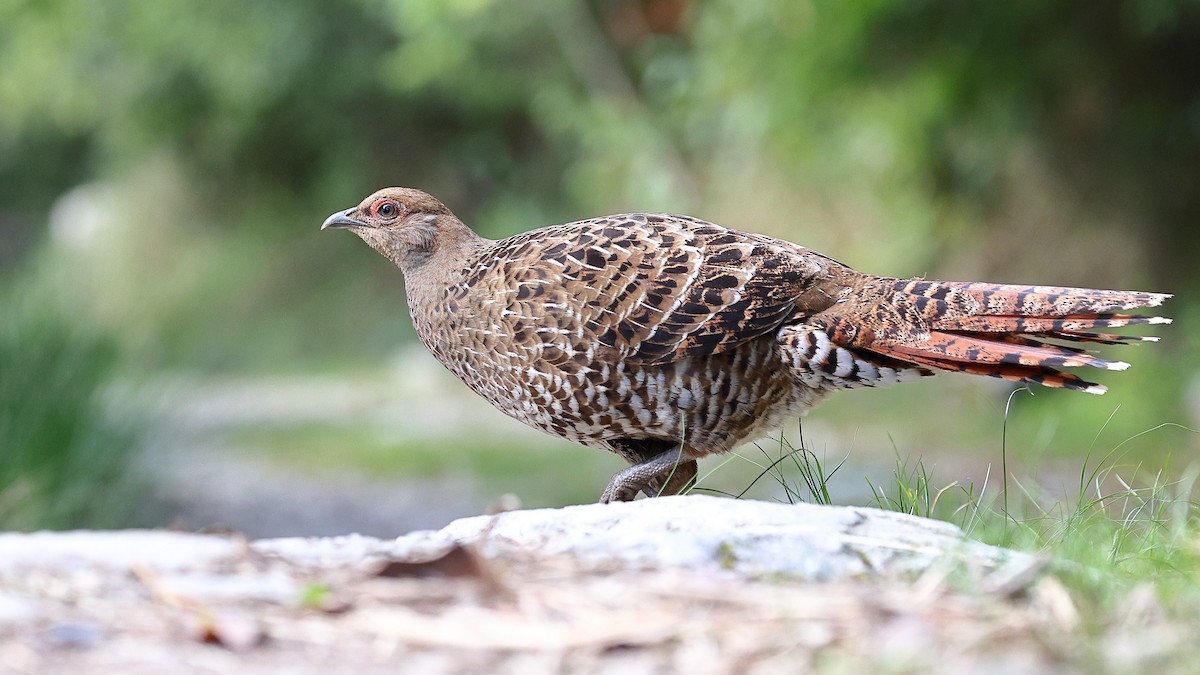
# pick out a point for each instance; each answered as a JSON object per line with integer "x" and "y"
{"x": 341, "y": 219}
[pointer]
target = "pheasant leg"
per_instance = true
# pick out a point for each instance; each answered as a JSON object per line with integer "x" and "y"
{"x": 682, "y": 477}
{"x": 670, "y": 467}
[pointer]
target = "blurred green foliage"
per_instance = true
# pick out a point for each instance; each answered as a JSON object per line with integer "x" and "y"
{"x": 68, "y": 457}
{"x": 915, "y": 136}
{"x": 1036, "y": 142}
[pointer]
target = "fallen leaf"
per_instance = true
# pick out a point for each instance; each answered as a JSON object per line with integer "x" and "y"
{"x": 233, "y": 631}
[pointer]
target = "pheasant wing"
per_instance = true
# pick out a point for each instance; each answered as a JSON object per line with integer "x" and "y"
{"x": 659, "y": 288}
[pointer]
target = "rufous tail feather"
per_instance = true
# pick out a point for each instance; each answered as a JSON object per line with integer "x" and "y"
{"x": 1002, "y": 330}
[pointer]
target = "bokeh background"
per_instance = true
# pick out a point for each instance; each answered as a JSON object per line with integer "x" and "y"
{"x": 180, "y": 344}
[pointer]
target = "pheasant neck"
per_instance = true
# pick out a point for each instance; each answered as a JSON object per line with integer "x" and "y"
{"x": 430, "y": 269}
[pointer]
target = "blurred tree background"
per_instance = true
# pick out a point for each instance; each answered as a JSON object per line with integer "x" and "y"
{"x": 164, "y": 167}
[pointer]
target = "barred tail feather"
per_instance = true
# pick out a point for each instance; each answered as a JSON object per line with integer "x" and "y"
{"x": 1003, "y": 359}
{"x": 1044, "y": 376}
{"x": 1036, "y": 300}
{"x": 1005, "y": 331}
{"x": 1001, "y": 323}
{"x": 1099, "y": 338}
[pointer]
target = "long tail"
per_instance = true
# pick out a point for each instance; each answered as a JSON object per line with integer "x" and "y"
{"x": 1006, "y": 331}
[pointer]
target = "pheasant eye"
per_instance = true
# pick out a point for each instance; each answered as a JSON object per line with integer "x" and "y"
{"x": 387, "y": 210}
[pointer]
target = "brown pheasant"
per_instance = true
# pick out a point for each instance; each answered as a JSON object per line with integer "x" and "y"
{"x": 665, "y": 338}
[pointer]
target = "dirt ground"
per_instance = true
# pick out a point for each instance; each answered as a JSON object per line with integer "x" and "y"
{"x": 528, "y": 616}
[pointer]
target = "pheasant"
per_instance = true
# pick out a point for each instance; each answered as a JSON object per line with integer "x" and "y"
{"x": 665, "y": 338}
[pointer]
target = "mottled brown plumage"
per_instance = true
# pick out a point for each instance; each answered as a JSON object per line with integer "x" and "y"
{"x": 665, "y": 338}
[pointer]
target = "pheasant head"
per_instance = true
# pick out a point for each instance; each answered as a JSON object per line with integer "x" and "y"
{"x": 407, "y": 226}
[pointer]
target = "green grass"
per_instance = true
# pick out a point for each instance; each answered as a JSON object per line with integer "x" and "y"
{"x": 812, "y": 472}
{"x": 1122, "y": 538}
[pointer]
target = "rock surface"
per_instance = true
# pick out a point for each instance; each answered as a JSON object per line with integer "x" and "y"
{"x": 750, "y": 538}
{"x": 674, "y": 584}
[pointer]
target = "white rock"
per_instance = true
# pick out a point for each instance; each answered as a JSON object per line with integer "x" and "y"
{"x": 743, "y": 537}
{"x": 750, "y": 538}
